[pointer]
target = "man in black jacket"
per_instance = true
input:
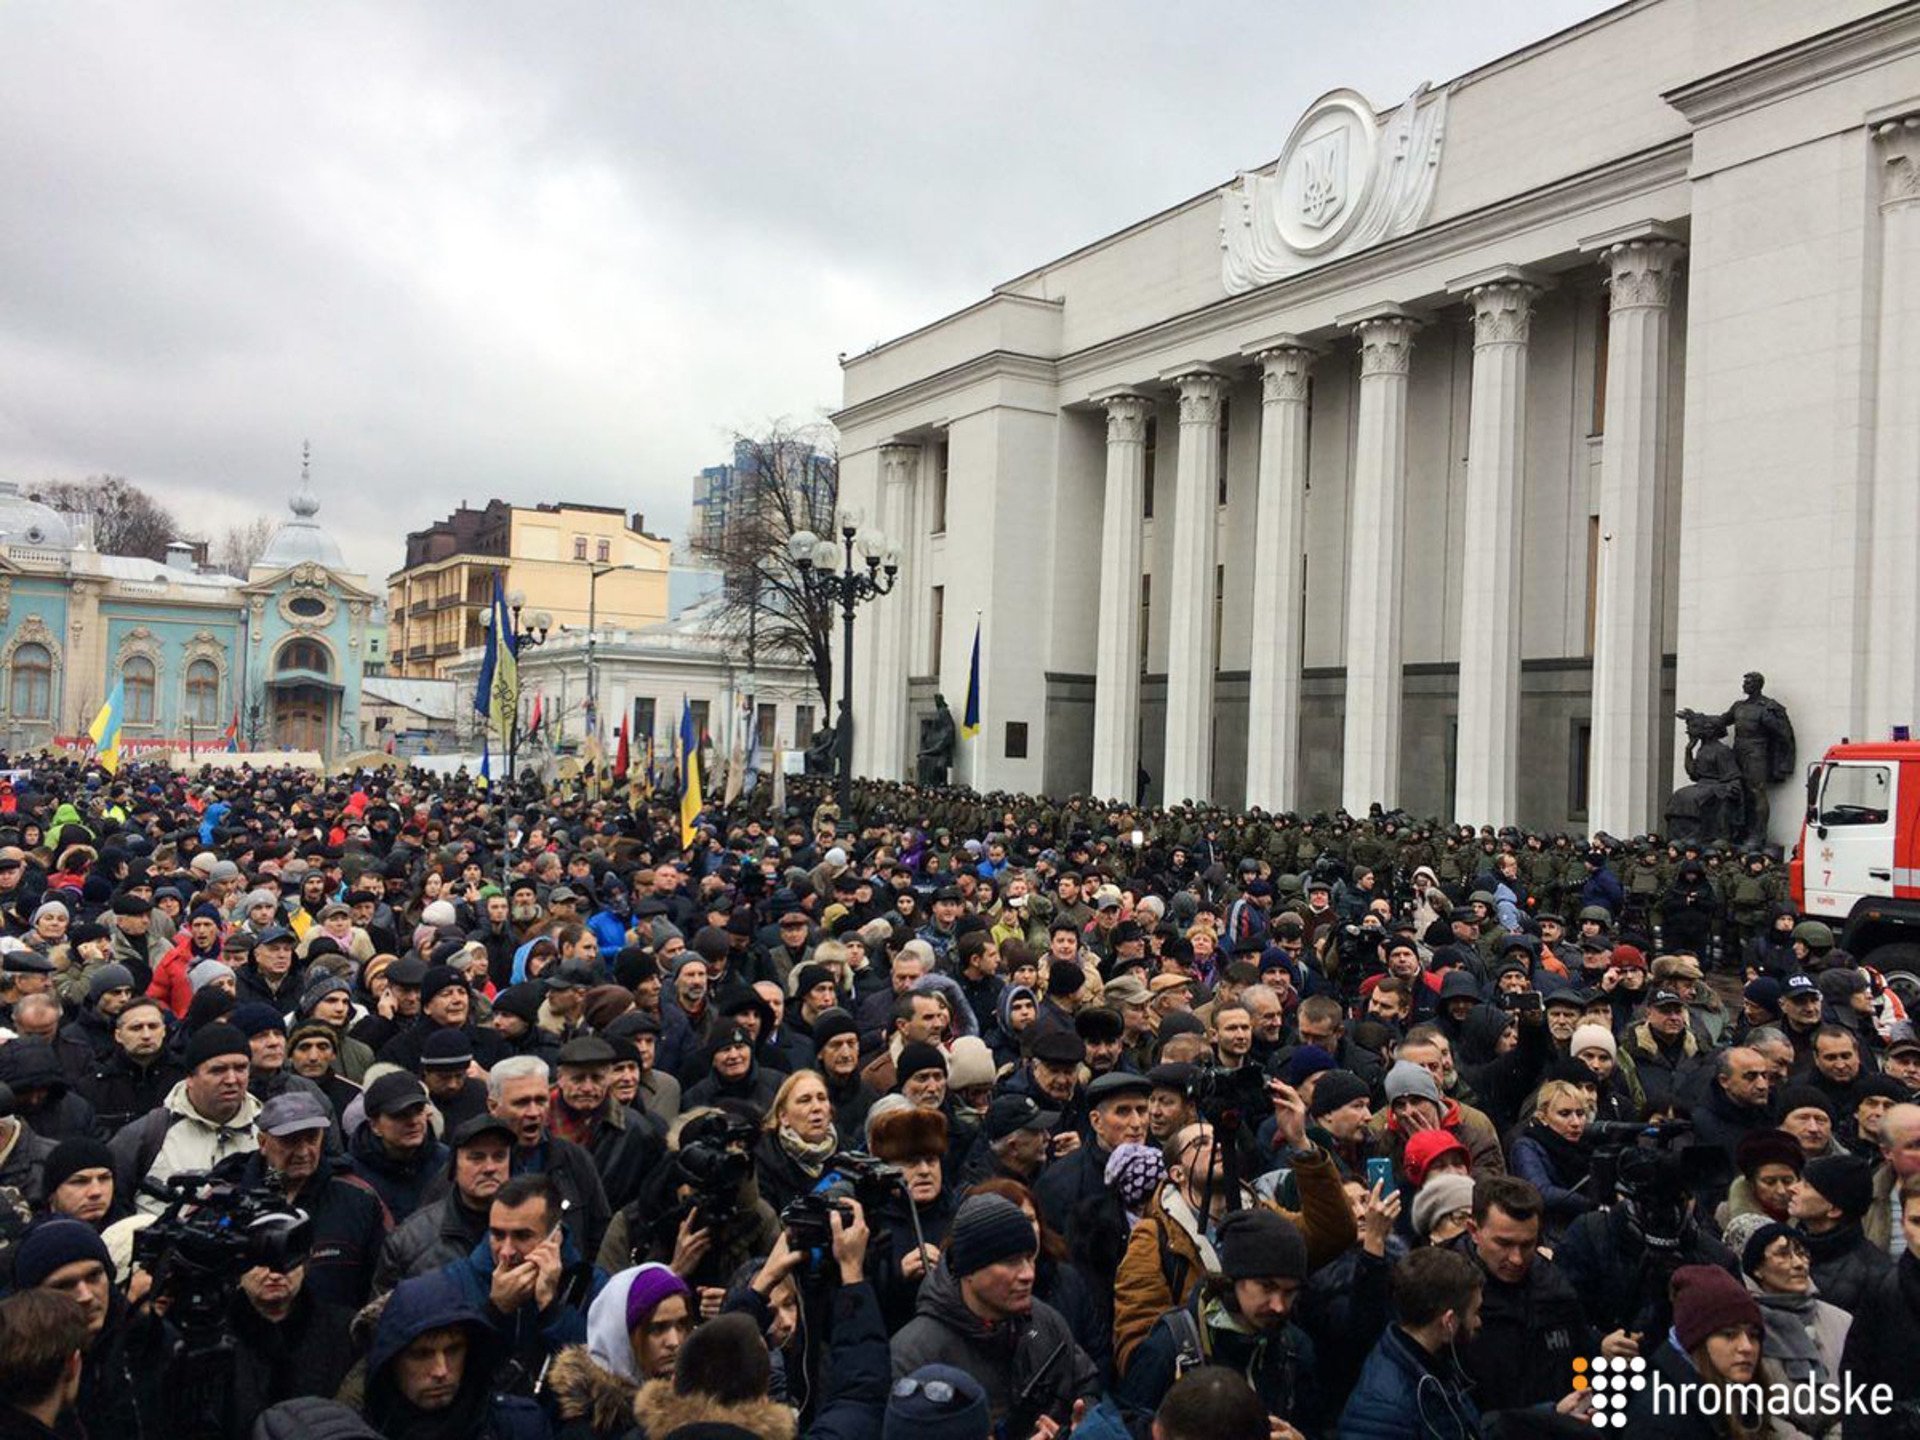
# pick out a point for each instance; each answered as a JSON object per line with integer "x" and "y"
{"x": 447, "y": 1229}
{"x": 1117, "y": 1114}
{"x": 625, "y": 1148}
{"x": 1828, "y": 1202}
{"x": 139, "y": 1073}
{"x": 1531, "y": 1322}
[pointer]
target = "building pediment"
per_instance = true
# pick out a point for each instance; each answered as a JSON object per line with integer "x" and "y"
{"x": 309, "y": 575}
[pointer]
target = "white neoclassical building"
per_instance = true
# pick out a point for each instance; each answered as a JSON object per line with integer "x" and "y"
{"x": 1436, "y": 462}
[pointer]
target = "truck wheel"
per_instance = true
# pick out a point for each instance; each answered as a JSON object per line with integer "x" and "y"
{"x": 1901, "y": 965}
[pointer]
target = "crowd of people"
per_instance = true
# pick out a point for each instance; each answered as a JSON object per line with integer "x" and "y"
{"x": 393, "y": 1105}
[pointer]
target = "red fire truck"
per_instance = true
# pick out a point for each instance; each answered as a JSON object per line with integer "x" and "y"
{"x": 1857, "y": 862}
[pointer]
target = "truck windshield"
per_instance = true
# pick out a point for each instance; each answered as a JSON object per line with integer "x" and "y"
{"x": 1855, "y": 795}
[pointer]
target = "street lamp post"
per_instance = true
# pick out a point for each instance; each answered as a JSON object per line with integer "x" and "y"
{"x": 849, "y": 586}
{"x": 597, "y": 569}
{"x": 529, "y": 636}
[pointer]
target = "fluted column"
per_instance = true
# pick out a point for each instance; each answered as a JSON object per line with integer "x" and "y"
{"x": 1279, "y": 542}
{"x": 887, "y": 756}
{"x": 1116, "y": 675}
{"x": 1893, "y": 667}
{"x": 1189, "y": 762}
{"x": 1627, "y": 724}
{"x": 1371, "y": 767}
{"x": 1487, "y": 767}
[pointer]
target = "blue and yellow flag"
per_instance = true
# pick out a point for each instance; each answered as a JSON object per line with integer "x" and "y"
{"x": 105, "y": 730}
{"x": 970, "y": 721}
{"x": 498, "y": 694}
{"x": 690, "y": 801}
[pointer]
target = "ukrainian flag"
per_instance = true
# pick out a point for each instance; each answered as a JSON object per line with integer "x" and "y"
{"x": 500, "y": 668}
{"x": 970, "y": 721}
{"x": 105, "y": 730}
{"x": 689, "y": 774}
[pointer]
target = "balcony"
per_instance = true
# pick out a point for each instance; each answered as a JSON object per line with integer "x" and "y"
{"x": 418, "y": 607}
{"x": 444, "y": 602}
{"x": 417, "y": 652}
{"x": 443, "y": 648}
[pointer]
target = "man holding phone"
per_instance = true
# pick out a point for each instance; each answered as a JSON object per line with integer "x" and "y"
{"x": 527, "y": 1278}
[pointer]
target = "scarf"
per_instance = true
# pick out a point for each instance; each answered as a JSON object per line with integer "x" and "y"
{"x": 1175, "y": 1207}
{"x": 812, "y": 1156}
{"x": 1789, "y": 1338}
{"x": 1569, "y": 1160}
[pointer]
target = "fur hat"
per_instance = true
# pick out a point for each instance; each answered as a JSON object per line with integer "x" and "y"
{"x": 911, "y": 1133}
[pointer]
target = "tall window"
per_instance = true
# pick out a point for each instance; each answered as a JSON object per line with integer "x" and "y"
{"x": 203, "y": 692}
{"x": 940, "y": 455}
{"x": 802, "y": 725}
{"x": 939, "y": 609}
{"x": 32, "y": 688}
{"x": 642, "y": 720}
{"x": 138, "y": 677}
{"x": 579, "y": 547}
{"x": 1579, "y": 769}
{"x": 701, "y": 710}
{"x": 603, "y": 551}
{"x": 1593, "y": 578}
{"x": 1219, "y": 609}
{"x": 763, "y": 728}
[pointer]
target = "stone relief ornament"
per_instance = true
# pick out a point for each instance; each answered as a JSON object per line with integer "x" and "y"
{"x": 1344, "y": 182}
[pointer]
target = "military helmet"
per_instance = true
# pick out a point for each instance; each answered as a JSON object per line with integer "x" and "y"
{"x": 1816, "y": 935}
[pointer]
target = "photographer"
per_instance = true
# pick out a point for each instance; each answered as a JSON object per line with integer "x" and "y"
{"x": 288, "y": 1342}
{"x": 701, "y": 1211}
{"x": 1172, "y": 1248}
{"x": 908, "y": 1223}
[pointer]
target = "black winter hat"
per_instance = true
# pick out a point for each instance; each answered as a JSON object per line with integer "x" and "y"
{"x": 1261, "y": 1245}
{"x": 986, "y": 1230}
{"x": 211, "y": 1042}
{"x": 1845, "y": 1180}
{"x": 1336, "y": 1088}
{"x": 70, "y": 1157}
{"x": 831, "y": 1025}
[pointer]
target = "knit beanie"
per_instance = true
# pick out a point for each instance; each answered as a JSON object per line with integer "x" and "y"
{"x": 210, "y": 1042}
{"x": 1764, "y": 991}
{"x": 108, "y": 977}
{"x": 1260, "y": 1245}
{"x": 437, "y": 978}
{"x": 725, "y": 1360}
{"x": 1440, "y": 1196}
{"x": 1337, "y": 1088}
{"x": 916, "y": 1415}
{"x": 831, "y": 1025}
{"x": 1754, "y": 1253}
{"x": 1428, "y": 1146}
{"x": 651, "y": 1285}
{"x": 1134, "y": 1173}
{"x": 1706, "y": 1299}
{"x": 970, "y": 1063}
{"x": 1407, "y": 1078}
{"x": 987, "y": 1230}
{"x": 255, "y": 1017}
{"x": 70, "y": 1157}
{"x": 1803, "y": 1097}
{"x": 915, "y": 1056}
{"x": 606, "y": 1004}
{"x": 205, "y": 973}
{"x": 1846, "y": 1181}
{"x": 51, "y": 1244}
{"x": 1304, "y": 1062}
{"x": 319, "y": 988}
{"x": 1590, "y": 1036}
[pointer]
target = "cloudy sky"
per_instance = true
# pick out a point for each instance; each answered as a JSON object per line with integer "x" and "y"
{"x": 561, "y": 250}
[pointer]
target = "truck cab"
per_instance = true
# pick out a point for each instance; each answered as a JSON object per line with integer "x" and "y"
{"x": 1857, "y": 862}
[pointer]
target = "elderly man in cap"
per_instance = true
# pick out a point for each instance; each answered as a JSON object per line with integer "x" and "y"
{"x": 205, "y": 1118}
{"x": 445, "y": 1004}
{"x": 1117, "y": 1115}
{"x": 584, "y": 1111}
{"x": 350, "y": 1223}
{"x": 1012, "y": 1144}
{"x": 394, "y": 1150}
{"x": 272, "y": 976}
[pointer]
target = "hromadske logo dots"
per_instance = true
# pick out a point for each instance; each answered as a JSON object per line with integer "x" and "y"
{"x": 1610, "y": 1378}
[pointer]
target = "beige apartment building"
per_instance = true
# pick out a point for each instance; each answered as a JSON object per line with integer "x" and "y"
{"x": 567, "y": 560}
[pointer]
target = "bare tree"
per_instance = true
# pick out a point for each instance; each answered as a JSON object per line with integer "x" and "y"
{"x": 126, "y": 520}
{"x": 238, "y": 549}
{"x": 782, "y": 482}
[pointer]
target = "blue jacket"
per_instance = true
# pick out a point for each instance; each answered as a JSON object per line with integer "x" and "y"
{"x": 610, "y": 930}
{"x": 529, "y": 1335}
{"x": 434, "y": 1302}
{"x": 1399, "y": 1397}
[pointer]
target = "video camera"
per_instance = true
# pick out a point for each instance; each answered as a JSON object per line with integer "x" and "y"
{"x": 211, "y": 1233}
{"x": 1239, "y": 1095}
{"x": 807, "y": 1217}
{"x": 1654, "y": 1169}
{"x": 715, "y": 1157}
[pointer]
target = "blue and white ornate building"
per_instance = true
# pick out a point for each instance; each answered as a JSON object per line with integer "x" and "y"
{"x": 280, "y": 652}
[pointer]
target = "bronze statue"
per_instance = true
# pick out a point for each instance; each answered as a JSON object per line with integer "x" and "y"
{"x": 1763, "y": 750}
{"x": 1713, "y": 807}
{"x": 820, "y": 751}
{"x": 938, "y": 739}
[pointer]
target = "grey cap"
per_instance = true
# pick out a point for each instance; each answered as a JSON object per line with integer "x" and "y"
{"x": 293, "y": 1112}
{"x": 1407, "y": 1078}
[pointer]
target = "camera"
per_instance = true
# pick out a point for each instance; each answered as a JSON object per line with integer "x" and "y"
{"x": 213, "y": 1232}
{"x": 715, "y": 1158}
{"x": 1653, "y": 1169}
{"x": 847, "y": 1177}
{"x": 1217, "y": 1092}
{"x": 1524, "y": 1001}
